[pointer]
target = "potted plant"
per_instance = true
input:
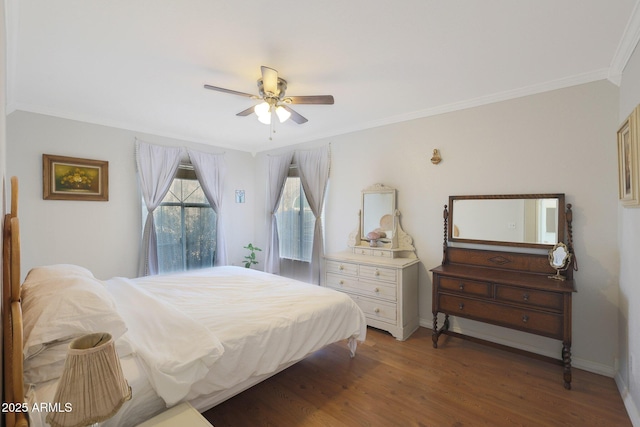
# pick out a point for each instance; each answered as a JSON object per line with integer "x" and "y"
{"x": 251, "y": 258}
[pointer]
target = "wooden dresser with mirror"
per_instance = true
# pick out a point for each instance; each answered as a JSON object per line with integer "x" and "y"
{"x": 379, "y": 271}
{"x": 497, "y": 267}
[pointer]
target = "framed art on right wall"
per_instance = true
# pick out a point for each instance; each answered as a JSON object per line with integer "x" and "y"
{"x": 628, "y": 159}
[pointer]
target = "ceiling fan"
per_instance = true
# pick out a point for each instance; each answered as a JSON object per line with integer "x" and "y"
{"x": 271, "y": 89}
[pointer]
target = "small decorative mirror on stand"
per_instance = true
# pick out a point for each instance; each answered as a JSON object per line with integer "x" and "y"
{"x": 379, "y": 229}
{"x": 559, "y": 258}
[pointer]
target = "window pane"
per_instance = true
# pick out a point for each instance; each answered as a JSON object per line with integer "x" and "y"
{"x": 174, "y": 192}
{"x": 201, "y": 237}
{"x": 295, "y": 222}
{"x": 185, "y": 228}
{"x": 169, "y": 235}
{"x": 192, "y": 193}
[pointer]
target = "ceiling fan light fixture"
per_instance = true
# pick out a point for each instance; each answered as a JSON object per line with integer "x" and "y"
{"x": 283, "y": 114}
{"x": 265, "y": 118}
{"x": 271, "y": 89}
{"x": 261, "y": 109}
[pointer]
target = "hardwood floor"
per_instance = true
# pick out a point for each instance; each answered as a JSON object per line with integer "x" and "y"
{"x": 393, "y": 383}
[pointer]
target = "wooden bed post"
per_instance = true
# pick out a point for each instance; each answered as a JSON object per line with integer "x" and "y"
{"x": 12, "y": 314}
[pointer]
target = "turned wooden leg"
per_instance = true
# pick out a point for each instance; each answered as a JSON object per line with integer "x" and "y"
{"x": 566, "y": 360}
{"x": 434, "y": 333}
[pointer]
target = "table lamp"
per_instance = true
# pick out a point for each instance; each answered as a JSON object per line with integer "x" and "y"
{"x": 92, "y": 385}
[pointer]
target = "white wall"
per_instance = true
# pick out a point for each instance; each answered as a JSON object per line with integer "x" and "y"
{"x": 102, "y": 236}
{"x": 628, "y": 378}
{"x": 496, "y": 149}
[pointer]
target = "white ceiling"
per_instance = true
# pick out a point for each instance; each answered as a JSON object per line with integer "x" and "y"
{"x": 142, "y": 64}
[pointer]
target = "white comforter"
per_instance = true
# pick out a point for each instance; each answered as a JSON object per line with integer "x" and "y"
{"x": 209, "y": 330}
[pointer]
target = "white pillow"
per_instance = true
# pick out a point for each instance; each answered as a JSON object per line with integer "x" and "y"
{"x": 61, "y": 307}
{"x": 48, "y": 364}
{"x": 57, "y": 271}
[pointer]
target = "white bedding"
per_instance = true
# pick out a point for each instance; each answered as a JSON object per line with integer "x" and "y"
{"x": 225, "y": 326}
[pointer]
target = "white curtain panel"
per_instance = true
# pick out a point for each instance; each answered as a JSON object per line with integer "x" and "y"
{"x": 211, "y": 170}
{"x": 278, "y": 171}
{"x": 314, "y": 166}
{"x": 157, "y": 166}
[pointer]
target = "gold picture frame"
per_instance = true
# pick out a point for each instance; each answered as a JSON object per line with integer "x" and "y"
{"x": 72, "y": 178}
{"x": 628, "y": 161}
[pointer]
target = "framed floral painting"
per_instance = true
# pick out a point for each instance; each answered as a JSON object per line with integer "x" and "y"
{"x": 71, "y": 178}
{"x": 628, "y": 159}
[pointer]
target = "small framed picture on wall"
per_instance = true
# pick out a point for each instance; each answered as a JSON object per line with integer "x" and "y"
{"x": 71, "y": 178}
{"x": 628, "y": 159}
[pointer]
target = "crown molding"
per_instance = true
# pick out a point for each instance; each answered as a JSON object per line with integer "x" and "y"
{"x": 627, "y": 45}
{"x": 578, "y": 79}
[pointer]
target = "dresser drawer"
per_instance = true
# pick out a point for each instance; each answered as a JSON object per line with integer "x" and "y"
{"x": 342, "y": 268}
{"x": 550, "y": 300}
{"x": 373, "y": 252}
{"x": 342, "y": 282}
{"x": 378, "y": 273}
{"x": 463, "y": 286}
{"x": 363, "y": 287}
{"x": 546, "y": 324}
{"x": 377, "y": 310}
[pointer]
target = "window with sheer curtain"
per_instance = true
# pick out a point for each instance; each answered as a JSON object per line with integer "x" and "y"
{"x": 185, "y": 226}
{"x": 295, "y": 220}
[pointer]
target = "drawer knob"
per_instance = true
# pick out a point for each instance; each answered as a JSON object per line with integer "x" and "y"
{"x": 341, "y": 267}
{"x": 377, "y": 310}
{"x": 376, "y": 290}
{"x": 525, "y": 318}
{"x": 525, "y": 296}
{"x": 461, "y": 286}
{"x": 377, "y": 273}
{"x": 341, "y": 282}
{"x": 461, "y": 305}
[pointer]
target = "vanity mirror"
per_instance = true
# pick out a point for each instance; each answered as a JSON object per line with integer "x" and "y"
{"x": 378, "y": 210}
{"x": 526, "y": 220}
{"x": 379, "y": 227}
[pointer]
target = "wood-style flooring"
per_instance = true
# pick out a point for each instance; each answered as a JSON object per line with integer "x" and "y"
{"x": 393, "y": 383}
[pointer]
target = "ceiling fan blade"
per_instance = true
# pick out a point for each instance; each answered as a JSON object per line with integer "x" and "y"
{"x": 313, "y": 99}
{"x": 269, "y": 79}
{"x": 296, "y": 117}
{"x": 246, "y": 112}
{"x": 232, "y": 92}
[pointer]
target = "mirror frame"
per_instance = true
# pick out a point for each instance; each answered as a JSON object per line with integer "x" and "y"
{"x": 561, "y": 219}
{"x": 377, "y": 189}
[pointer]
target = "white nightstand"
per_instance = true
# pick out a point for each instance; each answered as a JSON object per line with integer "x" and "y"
{"x": 179, "y": 416}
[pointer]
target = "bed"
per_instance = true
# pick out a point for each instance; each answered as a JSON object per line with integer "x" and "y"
{"x": 200, "y": 337}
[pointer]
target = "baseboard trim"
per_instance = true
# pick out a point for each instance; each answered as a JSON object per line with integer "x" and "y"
{"x": 629, "y": 404}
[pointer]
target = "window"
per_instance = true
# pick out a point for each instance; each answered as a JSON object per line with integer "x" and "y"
{"x": 295, "y": 220}
{"x": 185, "y": 226}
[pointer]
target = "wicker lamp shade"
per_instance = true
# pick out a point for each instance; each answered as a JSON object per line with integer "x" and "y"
{"x": 92, "y": 385}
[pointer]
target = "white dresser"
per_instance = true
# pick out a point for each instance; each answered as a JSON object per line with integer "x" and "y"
{"x": 386, "y": 289}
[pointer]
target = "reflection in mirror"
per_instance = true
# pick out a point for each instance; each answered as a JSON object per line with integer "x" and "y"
{"x": 515, "y": 220}
{"x": 378, "y": 207}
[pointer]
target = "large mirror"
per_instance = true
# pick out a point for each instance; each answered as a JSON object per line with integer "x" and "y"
{"x": 378, "y": 211}
{"x": 528, "y": 220}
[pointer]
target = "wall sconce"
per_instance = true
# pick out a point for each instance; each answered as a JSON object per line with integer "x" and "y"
{"x": 436, "y": 158}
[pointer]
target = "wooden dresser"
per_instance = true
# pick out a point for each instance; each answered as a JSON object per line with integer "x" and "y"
{"x": 505, "y": 288}
{"x": 386, "y": 289}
